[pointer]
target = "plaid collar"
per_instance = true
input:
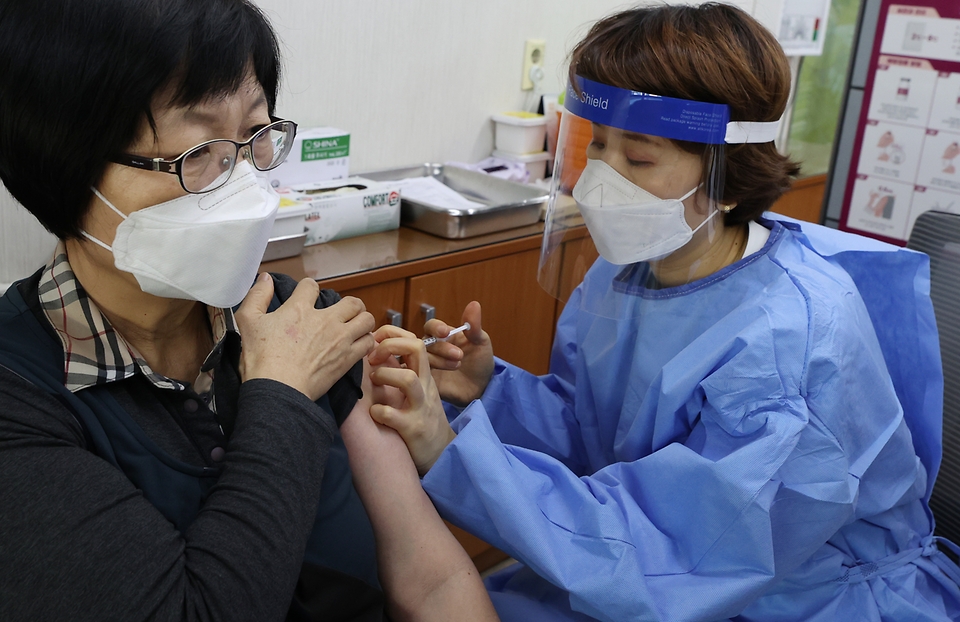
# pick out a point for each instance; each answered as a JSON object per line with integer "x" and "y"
{"x": 93, "y": 352}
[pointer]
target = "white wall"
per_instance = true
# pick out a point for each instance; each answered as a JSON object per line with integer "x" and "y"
{"x": 24, "y": 243}
{"x": 412, "y": 80}
{"x": 417, "y": 80}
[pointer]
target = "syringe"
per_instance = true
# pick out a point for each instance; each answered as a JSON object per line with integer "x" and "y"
{"x": 428, "y": 341}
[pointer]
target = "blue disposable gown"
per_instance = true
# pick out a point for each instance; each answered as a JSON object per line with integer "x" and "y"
{"x": 732, "y": 448}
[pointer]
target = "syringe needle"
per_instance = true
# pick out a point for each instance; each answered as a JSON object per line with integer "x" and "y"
{"x": 429, "y": 341}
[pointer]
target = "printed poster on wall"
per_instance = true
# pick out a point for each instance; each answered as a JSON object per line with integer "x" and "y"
{"x": 905, "y": 160}
{"x": 803, "y": 27}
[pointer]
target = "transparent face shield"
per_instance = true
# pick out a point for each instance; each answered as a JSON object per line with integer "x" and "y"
{"x": 638, "y": 181}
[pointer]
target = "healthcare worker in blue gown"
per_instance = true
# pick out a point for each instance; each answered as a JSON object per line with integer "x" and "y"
{"x": 742, "y": 417}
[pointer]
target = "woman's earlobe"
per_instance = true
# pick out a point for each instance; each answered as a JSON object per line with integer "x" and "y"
{"x": 702, "y": 202}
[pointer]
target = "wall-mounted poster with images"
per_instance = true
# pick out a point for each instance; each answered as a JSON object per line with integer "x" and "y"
{"x": 803, "y": 25}
{"x": 906, "y": 158}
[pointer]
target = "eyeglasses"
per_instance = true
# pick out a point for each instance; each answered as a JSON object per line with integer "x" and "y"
{"x": 209, "y": 165}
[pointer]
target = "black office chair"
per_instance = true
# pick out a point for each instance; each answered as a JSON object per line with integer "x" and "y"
{"x": 938, "y": 235}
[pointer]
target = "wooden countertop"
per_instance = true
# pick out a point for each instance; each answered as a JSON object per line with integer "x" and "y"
{"x": 380, "y": 257}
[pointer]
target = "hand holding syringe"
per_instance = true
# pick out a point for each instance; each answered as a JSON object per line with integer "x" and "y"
{"x": 461, "y": 370}
{"x": 428, "y": 341}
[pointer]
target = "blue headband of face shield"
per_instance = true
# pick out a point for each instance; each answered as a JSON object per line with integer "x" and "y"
{"x": 667, "y": 117}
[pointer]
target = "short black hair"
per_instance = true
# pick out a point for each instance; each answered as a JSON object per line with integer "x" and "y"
{"x": 77, "y": 79}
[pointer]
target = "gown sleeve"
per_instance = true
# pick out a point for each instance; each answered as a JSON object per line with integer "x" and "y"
{"x": 514, "y": 393}
{"x": 699, "y": 527}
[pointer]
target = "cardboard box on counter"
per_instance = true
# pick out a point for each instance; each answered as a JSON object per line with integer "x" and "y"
{"x": 337, "y": 209}
{"x": 318, "y": 154}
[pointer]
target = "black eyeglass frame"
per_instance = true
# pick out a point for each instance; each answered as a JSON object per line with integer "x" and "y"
{"x": 162, "y": 165}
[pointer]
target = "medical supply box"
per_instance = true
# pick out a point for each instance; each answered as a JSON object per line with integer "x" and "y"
{"x": 332, "y": 210}
{"x": 519, "y": 132}
{"x": 318, "y": 154}
{"x": 535, "y": 163}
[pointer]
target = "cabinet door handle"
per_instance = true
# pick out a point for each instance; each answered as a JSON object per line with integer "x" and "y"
{"x": 395, "y": 318}
{"x": 429, "y": 311}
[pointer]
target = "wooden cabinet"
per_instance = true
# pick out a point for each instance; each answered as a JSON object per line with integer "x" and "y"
{"x": 579, "y": 253}
{"x": 804, "y": 200}
{"x": 517, "y": 314}
{"x": 381, "y": 299}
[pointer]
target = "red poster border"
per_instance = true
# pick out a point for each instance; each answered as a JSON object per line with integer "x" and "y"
{"x": 949, "y": 9}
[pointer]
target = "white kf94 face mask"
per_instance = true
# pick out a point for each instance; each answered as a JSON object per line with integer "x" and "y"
{"x": 204, "y": 247}
{"x": 627, "y": 223}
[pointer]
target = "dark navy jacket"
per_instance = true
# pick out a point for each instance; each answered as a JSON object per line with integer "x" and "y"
{"x": 338, "y": 579}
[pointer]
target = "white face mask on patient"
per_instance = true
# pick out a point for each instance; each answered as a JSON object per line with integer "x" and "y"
{"x": 204, "y": 247}
{"x": 627, "y": 223}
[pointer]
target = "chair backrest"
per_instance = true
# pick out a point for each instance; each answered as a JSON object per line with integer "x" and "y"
{"x": 938, "y": 235}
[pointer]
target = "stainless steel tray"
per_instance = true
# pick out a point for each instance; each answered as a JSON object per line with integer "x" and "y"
{"x": 510, "y": 204}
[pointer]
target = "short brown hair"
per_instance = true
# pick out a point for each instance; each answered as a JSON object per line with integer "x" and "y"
{"x": 711, "y": 53}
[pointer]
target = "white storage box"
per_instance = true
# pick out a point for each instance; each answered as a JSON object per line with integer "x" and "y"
{"x": 318, "y": 154}
{"x": 337, "y": 209}
{"x": 520, "y": 133}
{"x": 536, "y": 163}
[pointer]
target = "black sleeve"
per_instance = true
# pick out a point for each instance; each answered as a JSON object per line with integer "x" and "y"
{"x": 78, "y": 541}
{"x": 345, "y": 392}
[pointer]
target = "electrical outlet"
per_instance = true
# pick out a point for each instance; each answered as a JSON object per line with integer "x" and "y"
{"x": 532, "y": 62}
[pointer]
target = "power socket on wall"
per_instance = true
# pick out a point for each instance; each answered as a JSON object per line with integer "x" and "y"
{"x": 533, "y": 52}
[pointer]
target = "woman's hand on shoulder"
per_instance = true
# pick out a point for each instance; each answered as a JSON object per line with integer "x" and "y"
{"x": 303, "y": 347}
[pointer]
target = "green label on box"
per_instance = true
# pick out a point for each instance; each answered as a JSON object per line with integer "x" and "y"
{"x": 325, "y": 148}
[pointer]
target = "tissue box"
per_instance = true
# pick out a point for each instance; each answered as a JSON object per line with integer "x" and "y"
{"x": 337, "y": 209}
{"x": 318, "y": 154}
